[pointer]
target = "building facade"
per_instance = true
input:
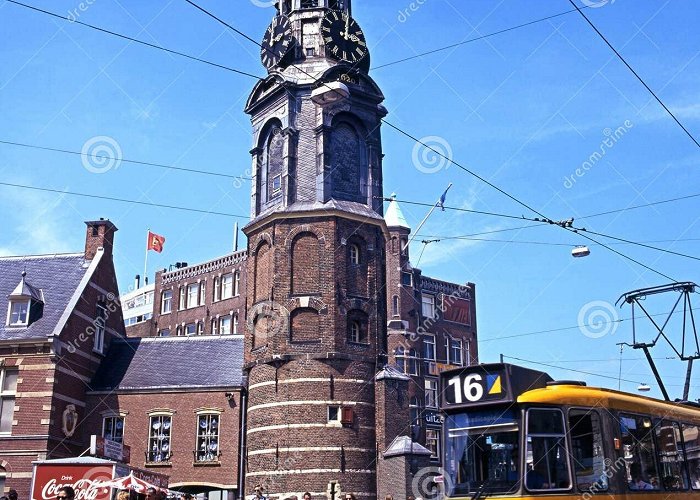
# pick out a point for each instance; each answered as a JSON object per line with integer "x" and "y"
{"x": 60, "y": 313}
{"x": 431, "y": 328}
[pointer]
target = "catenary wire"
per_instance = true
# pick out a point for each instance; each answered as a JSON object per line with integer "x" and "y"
{"x": 464, "y": 42}
{"x": 125, "y": 160}
{"x": 572, "y": 370}
{"x": 418, "y": 141}
{"x": 636, "y": 74}
{"x": 122, "y": 200}
{"x": 135, "y": 40}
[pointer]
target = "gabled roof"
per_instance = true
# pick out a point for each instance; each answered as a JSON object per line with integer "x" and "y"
{"x": 404, "y": 445}
{"x": 54, "y": 277}
{"x": 172, "y": 363}
{"x": 394, "y": 216}
{"x": 390, "y": 372}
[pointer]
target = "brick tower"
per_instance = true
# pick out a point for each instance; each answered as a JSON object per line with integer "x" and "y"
{"x": 316, "y": 322}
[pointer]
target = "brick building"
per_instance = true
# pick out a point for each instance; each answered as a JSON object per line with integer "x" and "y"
{"x": 60, "y": 313}
{"x": 177, "y": 403}
{"x": 431, "y": 328}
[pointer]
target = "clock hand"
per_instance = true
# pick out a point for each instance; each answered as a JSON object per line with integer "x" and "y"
{"x": 347, "y": 25}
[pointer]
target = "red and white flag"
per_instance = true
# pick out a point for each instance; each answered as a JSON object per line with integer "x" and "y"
{"x": 155, "y": 242}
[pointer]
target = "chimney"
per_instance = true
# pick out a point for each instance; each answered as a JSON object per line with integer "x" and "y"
{"x": 100, "y": 234}
{"x": 137, "y": 282}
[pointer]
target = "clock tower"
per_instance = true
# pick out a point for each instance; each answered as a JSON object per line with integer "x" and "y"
{"x": 316, "y": 330}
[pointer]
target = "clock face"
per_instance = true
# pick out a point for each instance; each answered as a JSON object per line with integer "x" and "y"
{"x": 277, "y": 41}
{"x": 344, "y": 38}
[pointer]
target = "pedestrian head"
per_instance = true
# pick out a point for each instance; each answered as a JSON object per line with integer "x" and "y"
{"x": 123, "y": 495}
{"x": 12, "y": 494}
{"x": 350, "y": 496}
{"x": 65, "y": 493}
{"x": 307, "y": 496}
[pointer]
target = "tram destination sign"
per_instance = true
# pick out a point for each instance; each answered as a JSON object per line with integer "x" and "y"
{"x": 487, "y": 384}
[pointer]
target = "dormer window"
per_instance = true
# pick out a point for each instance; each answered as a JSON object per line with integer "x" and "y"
{"x": 19, "y": 313}
{"x": 26, "y": 304}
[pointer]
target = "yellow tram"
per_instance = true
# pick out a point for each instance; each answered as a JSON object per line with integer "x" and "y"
{"x": 512, "y": 432}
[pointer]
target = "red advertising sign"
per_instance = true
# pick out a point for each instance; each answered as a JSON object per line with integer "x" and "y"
{"x": 457, "y": 310}
{"x": 82, "y": 478}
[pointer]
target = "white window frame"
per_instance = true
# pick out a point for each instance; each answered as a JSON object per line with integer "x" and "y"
{"x": 208, "y": 436}
{"x": 454, "y": 349}
{"x": 435, "y": 439}
{"x": 226, "y": 286}
{"x": 429, "y": 339}
{"x": 18, "y": 302}
{"x": 217, "y": 289}
{"x": 8, "y": 395}
{"x": 354, "y": 254}
{"x": 431, "y": 393}
{"x": 222, "y": 321}
{"x": 114, "y": 424}
{"x": 355, "y": 332}
{"x": 185, "y": 330}
{"x": 99, "y": 338}
{"x": 234, "y": 324}
{"x": 182, "y": 297}
{"x": 192, "y": 292}
{"x": 202, "y": 293}
{"x": 236, "y": 283}
{"x": 337, "y": 409}
{"x": 166, "y": 297}
{"x": 428, "y": 305}
{"x": 154, "y": 434}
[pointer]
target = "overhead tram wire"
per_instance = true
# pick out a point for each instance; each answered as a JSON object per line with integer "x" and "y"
{"x": 593, "y": 374}
{"x": 661, "y": 202}
{"x": 567, "y": 328}
{"x": 136, "y": 40}
{"x": 636, "y": 74}
{"x": 125, "y": 160}
{"x": 123, "y": 200}
{"x": 474, "y": 174}
{"x": 464, "y": 42}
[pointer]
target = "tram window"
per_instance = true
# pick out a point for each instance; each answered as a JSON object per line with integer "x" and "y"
{"x": 482, "y": 452}
{"x": 668, "y": 438}
{"x": 547, "y": 459}
{"x": 691, "y": 438}
{"x": 586, "y": 432}
{"x": 639, "y": 452}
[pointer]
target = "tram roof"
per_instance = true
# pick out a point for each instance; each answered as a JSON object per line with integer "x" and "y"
{"x": 576, "y": 395}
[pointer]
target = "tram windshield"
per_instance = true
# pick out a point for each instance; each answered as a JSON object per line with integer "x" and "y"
{"x": 482, "y": 451}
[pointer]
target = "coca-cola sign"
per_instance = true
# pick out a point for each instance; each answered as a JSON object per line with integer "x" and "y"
{"x": 48, "y": 479}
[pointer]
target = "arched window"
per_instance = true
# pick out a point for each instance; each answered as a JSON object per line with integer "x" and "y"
{"x": 354, "y": 254}
{"x": 348, "y": 163}
{"x": 270, "y": 164}
{"x": 395, "y": 305}
{"x": 357, "y": 327}
{"x": 305, "y": 325}
{"x": 306, "y": 264}
{"x": 263, "y": 271}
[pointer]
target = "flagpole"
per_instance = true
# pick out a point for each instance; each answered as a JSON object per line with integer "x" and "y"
{"x": 145, "y": 260}
{"x": 425, "y": 219}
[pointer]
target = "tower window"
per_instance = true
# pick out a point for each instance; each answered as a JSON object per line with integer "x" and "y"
{"x": 333, "y": 414}
{"x": 357, "y": 327}
{"x": 355, "y": 331}
{"x": 310, "y": 52}
{"x": 309, "y": 4}
{"x": 276, "y": 183}
{"x": 354, "y": 254}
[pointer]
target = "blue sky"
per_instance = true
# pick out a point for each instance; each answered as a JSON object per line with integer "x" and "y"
{"x": 524, "y": 109}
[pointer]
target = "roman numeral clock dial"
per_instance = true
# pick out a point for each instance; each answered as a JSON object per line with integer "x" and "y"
{"x": 344, "y": 38}
{"x": 277, "y": 42}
